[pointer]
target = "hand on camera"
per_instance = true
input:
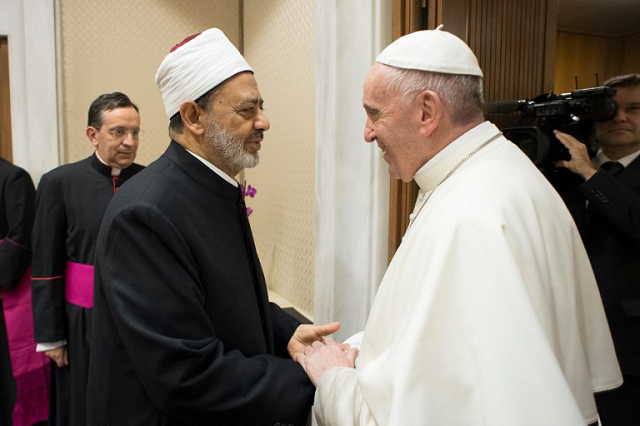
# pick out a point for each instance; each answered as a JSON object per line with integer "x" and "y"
{"x": 580, "y": 162}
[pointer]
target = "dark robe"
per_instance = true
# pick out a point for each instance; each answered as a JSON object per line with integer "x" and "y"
{"x": 70, "y": 202}
{"x": 17, "y": 195}
{"x": 17, "y": 201}
{"x": 184, "y": 333}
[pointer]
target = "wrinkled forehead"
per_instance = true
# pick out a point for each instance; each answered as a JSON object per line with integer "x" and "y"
{"x": 376, "y": 86}
{"x": 377, "y": 74}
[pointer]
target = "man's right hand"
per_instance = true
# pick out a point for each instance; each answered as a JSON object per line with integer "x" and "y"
{"x": 580, "y": 162}
{"x": 59, "y": 356}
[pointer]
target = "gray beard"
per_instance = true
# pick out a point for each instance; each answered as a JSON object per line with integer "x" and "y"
{"x": 229, "y": 148}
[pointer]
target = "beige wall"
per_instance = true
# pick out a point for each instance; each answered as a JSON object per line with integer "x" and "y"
{"x": 279, "y": 43}
{"x": 117, "y": 46}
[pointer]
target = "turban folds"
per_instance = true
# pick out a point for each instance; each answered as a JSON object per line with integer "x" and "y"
{"x": 197, "y": 65}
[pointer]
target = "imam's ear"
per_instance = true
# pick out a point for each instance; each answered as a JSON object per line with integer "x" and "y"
{"x": 191, "y": 116}
{"x": 431, "y": 108}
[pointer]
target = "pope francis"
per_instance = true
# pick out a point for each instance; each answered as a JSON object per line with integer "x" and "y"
{"x": 486, "y": 314}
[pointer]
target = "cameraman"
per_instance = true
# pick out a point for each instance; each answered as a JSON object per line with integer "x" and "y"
{"x": 604, "y": 199}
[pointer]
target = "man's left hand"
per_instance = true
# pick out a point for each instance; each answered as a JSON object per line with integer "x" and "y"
{"x": 306, "y": 334}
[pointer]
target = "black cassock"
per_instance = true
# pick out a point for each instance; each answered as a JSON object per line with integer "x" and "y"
{"x": 17, "y": 196}
{"x": 70, "y": 203}
{"x": 183, "y": 330}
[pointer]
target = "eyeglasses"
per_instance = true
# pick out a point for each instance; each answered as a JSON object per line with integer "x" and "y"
{"x": 121, "y": 132}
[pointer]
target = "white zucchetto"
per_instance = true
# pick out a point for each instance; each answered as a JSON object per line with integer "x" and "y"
{"x": 433, "y": 51}
{"x": 196, "y": 65}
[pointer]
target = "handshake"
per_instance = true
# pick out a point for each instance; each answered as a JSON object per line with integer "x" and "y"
{"x": 317, "y": 354}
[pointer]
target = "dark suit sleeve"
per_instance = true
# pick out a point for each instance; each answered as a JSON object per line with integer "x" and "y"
{"x": 15, "y": 249}
{"x": 617, "y": 202}
{"x": 150, "y": 281}
{"x": 49, "y": 258}
{"x": 284, "y": 325}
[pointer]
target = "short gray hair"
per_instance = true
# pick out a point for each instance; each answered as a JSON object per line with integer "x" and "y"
{"x": 460, "y": 94}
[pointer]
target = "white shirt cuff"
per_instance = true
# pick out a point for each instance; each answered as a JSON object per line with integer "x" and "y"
{"x": 47, "y": 346}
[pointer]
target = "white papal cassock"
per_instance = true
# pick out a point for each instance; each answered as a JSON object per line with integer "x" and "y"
{"x": 488, "y": 314}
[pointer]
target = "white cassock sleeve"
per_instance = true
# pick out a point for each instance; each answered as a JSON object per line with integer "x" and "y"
{"x": 340, "y": 387}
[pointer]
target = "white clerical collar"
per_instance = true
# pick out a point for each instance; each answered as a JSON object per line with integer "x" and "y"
{"x": 461, "y": 140}
{"x": 114, "y": 170}
{"x": 431, "y": 175}
{"x": 216, "y": 170}
{"x": 600, "y": 159}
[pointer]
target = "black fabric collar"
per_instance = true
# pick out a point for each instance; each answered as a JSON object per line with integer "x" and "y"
{"x": 103, "y": 169}
{"x": 200, "y": 172}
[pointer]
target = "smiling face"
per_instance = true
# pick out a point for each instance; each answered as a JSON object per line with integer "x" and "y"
{"x": 620, "y": 136}
{"x": 116, "y": 142}
{"x": 393, "y": 124}
{"x": 235, "y": 125}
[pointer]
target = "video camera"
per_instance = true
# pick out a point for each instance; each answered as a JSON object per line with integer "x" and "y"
{"x": 572, "y": 113}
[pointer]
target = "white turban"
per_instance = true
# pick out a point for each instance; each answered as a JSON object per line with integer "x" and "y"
{"x": 197, "y": 65}
{"x": 431, "y": 50}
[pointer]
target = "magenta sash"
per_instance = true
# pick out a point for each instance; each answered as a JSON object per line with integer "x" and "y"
{"x": 30, "y": 368}
{"x": 78, "y": 284}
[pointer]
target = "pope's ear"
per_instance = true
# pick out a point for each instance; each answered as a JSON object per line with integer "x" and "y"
{"x": 191, "y": 115}
{"x": 431, "y": 108}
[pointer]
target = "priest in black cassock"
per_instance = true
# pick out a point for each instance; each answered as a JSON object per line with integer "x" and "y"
{"x": 23, "y": 372}
{"x": 183, "y": 331}
{"x": 70, "y": 202}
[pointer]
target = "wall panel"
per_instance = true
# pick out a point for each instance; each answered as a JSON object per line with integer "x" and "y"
{"x": 583, "y": 57}
{"x": 509, "y": 38}
{"x": 6, "y": 148}
{"x": 630, "y": 54}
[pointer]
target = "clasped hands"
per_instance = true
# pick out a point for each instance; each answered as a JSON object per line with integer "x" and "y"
{"x": 317, "y": 354}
